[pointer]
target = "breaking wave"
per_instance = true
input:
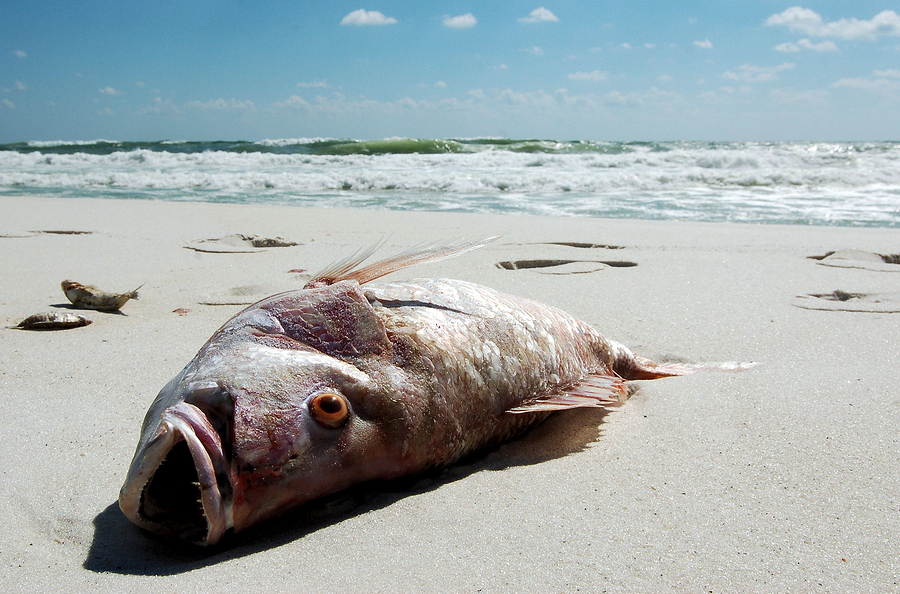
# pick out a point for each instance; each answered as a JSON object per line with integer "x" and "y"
{"x": 780, "y": 182}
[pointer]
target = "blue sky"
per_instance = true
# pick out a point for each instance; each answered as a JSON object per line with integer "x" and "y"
{"x": 639, "y": 70}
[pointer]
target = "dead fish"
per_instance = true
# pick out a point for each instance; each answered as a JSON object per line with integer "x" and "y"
{"x": 89, "y": 297}
{"x": 54, "y": 320}
{"x": 308, "y": 392}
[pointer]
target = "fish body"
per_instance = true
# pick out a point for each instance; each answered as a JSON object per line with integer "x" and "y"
{"x": 309, "y": 392}
{"x": 54, "y": 320}
{"x": 90, "y": 297}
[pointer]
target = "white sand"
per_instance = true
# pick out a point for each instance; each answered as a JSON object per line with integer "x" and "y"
{"x": 782, "y": 478}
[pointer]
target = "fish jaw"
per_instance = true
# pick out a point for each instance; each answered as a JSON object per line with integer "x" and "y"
{"x": 181, "y": 485}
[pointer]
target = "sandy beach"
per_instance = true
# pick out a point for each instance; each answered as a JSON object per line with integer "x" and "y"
{"x": 783, "y": 478}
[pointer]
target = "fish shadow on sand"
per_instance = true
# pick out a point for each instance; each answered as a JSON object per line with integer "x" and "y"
{"x": 71, "y": 307}
{"x": 120, "y": 547}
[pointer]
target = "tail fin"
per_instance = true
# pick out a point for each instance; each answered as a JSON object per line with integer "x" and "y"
{"x": 629, "y": 366}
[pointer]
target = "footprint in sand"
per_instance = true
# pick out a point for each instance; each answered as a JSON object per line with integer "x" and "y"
{"x": 844, "y": 301}
{"x": 560, "y": 266}
{"x": 563, "y": 266}
{"x": 237, "y": 244}
{"x": 63, "y": 232}
{"x": 860, "y": 259}
{"x": 47, "y": 232}
{"x": 582, "y": 245}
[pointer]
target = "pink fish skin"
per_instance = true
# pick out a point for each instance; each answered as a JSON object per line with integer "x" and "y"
{"x": 309, "y": 392}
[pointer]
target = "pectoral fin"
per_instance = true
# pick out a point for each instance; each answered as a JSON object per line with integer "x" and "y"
{"x": 594, "y": 391}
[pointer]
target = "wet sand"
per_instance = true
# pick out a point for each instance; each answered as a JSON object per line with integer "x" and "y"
{"x": 781, "y": 478}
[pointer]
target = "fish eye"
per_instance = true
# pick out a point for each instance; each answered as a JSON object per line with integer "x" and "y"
{"x": 329, "y": 409}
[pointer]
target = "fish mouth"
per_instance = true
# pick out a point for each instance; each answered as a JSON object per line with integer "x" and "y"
{"x": 181, "y": 485}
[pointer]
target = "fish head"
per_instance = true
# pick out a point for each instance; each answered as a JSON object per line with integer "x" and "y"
{"x": 259, "y": 422}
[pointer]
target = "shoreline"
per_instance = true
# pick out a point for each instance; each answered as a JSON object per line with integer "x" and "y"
{"x": 780, "y": 478}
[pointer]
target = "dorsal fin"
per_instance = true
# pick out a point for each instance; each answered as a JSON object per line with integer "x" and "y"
{"x": 349, "y": 268}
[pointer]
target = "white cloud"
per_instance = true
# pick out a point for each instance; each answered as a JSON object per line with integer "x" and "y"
{"x": 595, "y": 76}
{"x": 20, "y": 54}
{"x": 501, "y": 67}
{"x": 809, "y": 22}
{"x": 666, "y": 77}
{"x": 750, "y": 74}
{"x": 825, "y": 46}
{"x": 534, "y": 50}
{"x": 463, "y": 21}
{"x": 649, "y": 45}
{"x": 160, "y": 106}
{"x": 20, "y": 86}
{"x": 539, "y": 15}
{"x": 440, "y": 85}
{"x": 293, "y": 101}
{"x": 168, "y": 107}
{"x": 220, "y": 104}
{"x": 789, "y": 96}
{"x": 316, "y": 84}
{"x": 9, "y": 104}
{"x": 109, "y": 91}
{"x": 705, "y": 44}
{"x": 640, "y": 99}
{"x": 526, "y": 99}
{"x": 626, "y": 46}
{"x": 886, "y": 82}
{"x": 504, "y": 106}
{"x": 367, "y": 17}
{"x": 743, "y": 89}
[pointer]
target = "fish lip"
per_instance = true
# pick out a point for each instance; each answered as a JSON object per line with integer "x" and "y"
{"x": 184, "y": 421}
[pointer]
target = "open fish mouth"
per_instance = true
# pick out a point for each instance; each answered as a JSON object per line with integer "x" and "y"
{"x": 182, "y": 487}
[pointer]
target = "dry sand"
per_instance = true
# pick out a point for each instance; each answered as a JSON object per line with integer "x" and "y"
{"x": 781, "y": 478}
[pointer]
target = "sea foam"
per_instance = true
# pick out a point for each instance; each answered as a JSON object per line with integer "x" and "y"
{"x": 785, "y": 182}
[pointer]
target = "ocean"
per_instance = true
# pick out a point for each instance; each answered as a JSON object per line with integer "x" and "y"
{"x": 809, "y": 183}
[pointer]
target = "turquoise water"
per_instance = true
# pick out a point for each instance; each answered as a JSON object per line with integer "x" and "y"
{"x": 853, "y": 184}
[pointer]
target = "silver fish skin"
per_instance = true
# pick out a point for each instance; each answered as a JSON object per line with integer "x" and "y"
{"x": 309, "y": 392}
{"x": 54, "y": 320}
{"x": 90, "y": 297}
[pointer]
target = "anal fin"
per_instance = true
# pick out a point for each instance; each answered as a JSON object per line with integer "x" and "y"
{"x": 594, "y": 391}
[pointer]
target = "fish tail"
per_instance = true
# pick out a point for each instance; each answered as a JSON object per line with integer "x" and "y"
{"x": 629, "y": 366}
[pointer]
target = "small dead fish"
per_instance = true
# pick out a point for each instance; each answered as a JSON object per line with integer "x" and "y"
{"x": 54, "y": 320}
{"x": 88, "y": 297}
{"x": 308, "y": 392}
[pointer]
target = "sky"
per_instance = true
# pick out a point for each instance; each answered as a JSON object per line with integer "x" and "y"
{"x": 368, "y": 69}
